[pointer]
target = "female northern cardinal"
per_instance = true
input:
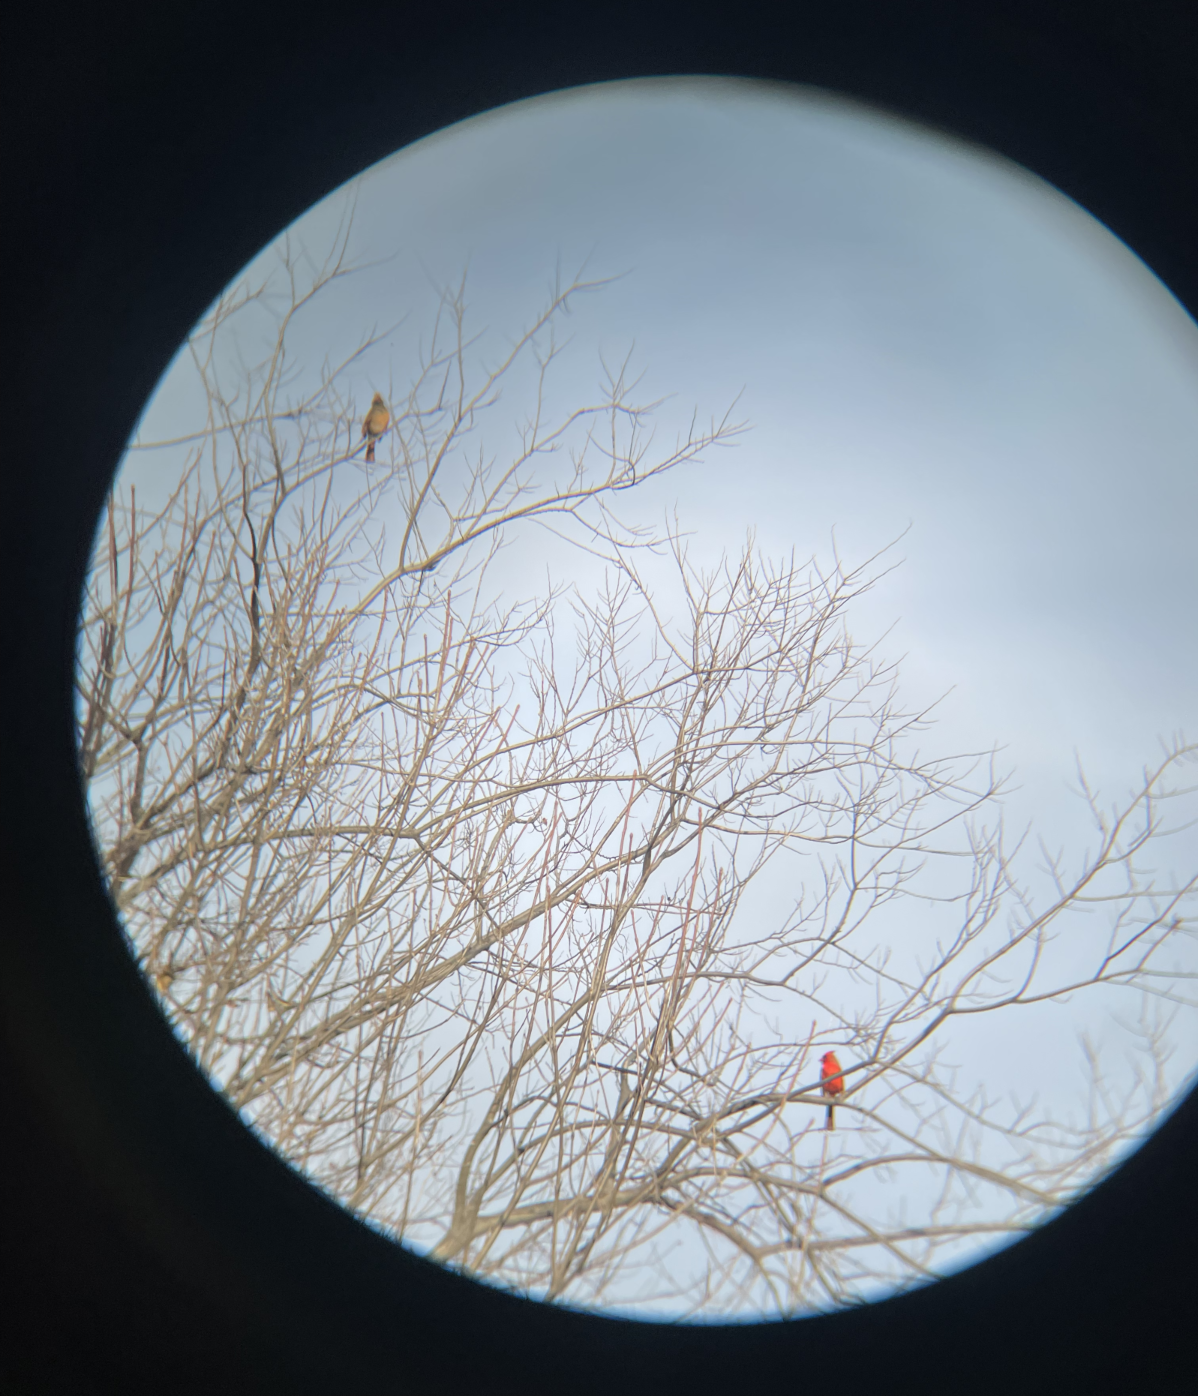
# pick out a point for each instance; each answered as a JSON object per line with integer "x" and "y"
{"x": 376, "y": 421}
{"x": 832, "y": 1082}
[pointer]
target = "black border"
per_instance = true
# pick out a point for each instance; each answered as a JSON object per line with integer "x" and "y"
{"x": 148, "y": 1241}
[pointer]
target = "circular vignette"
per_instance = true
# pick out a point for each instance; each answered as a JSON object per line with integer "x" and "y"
{"x": 995, "y": 289}
{"x": 139, "y": 1193}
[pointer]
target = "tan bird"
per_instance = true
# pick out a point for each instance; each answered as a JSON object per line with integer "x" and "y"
{"x": 376, "y": 421}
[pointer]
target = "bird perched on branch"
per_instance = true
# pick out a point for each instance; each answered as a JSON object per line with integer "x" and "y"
{"x": 832, "y": 1082}
{"x": 376, "y": 421}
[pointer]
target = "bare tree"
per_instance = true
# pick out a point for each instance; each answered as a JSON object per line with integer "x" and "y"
{"x": 521, "y": 927}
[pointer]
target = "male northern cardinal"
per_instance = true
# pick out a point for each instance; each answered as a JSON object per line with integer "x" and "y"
{"x": 376, "y": 421}
{"x": 832, "y": 1082}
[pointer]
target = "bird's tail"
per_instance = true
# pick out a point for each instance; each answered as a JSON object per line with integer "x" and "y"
{"x": 370, "y": 451}
{"x": 828, "y": 1122}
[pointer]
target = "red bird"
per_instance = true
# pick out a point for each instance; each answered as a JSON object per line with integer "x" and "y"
{"x": 832, "y": 1082}
{"x": 376, "y": 421}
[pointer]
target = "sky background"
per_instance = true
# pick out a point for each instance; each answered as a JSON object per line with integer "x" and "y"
{"x": 924, "y": 338}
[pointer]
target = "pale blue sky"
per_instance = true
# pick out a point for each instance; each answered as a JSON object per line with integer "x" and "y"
{"x": 921, "y": 333}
